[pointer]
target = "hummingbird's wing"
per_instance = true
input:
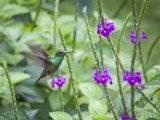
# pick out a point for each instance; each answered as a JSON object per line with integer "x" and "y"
{"x": 38, "y": 50}
{"x": 38, "y": 59}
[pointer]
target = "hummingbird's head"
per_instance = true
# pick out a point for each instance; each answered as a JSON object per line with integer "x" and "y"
{"x": 62, "y": 53}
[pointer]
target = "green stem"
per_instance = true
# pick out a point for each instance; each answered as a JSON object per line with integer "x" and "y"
{"x": 132, "y": 102}
{"x": 122, "y": 31}
{"x": 117, "y": 67}
{"x": 151, "y": 48}
{"x": 11, "y": 91}
{"x": 144, "y": 5}
{"x": 60, "y": 95}
{"x": 120, "y": 8}
{"x": 142, "y": 63}
{"x": 110, "y": 103}
{"x": 100, "y": 11}
{"x": 60, "y": 98}
{"x": 75, "y": 28}
{"x": 115, "y": 53}
{"x": 97, "y": 59}
{"x": 91, "y": 40}
{"x": 37, "y": 14}
{"x": 134, "y": 12}
{"x": 146, "y": 98}
{"x": 71, "y": 78}
{"x": 101, "y": 50}
{"x": 137, "y": 27}
{"x": 55, "y": 24}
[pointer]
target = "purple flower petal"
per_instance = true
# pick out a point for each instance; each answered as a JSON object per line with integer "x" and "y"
{"x": 144, "y": 36}
{"x": 107, "y": 29}
{"x": 104, "y": 78}
{"x": 130, "y": 118}
{"x": 127, "y": 75}
{"x": 134, "y": 79}
{"x": 53, "y": 82}
{"x": 133, "y": 36}
{"x": 59, "y": 81}
{"x": 123, "y": 117}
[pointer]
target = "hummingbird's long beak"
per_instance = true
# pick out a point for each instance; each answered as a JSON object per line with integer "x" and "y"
{"x": 69, "y": 51}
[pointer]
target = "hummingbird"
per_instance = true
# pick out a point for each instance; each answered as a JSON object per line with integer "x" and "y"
{"x": 50, "y": 63}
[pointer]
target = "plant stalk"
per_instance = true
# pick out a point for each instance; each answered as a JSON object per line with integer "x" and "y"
{"x": 75, "y": 28}
{"x": 71, "y": 78}
{"x": 137, "y": 24}
{"x": 142, "y": 63}
{"x": 61, "y": 99}
{"x": 151, "y": 49}
{"x": 37, "y": 14}
{"x": 110, "y": 103}
{"x": 115, "y": 53}
{"x": 146, "y": 98}
{"x": 97, "y": 60}
{"x": 13, "y": 97}
{"x": 117, "y": 67}
{"x": 120, "y": 8}
{"x": 55, "y": 24}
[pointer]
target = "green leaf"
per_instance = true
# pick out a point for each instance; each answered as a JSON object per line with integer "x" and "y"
{"x": 31, "y": 113}
{"x": 17, "y": 77}
{"x": 7, "y": 113}
{"x": 12, "y": 59}
{"x": 27, "y": 2}
{"x": 60, "y": 116}
{"x": 10, "y": 10}
{"x": 3, "y": 3}
{"x": 98, "y": 108}
{"x": 44, "y": 19}
{"x": 13, "y": 30}
{"x": 30, "y": 93}
{"x": 91, "y": 90}
{"x": 154, "y": 72}
{"x": 54, "y": 98}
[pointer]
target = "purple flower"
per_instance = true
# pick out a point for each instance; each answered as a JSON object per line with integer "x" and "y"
{"x": 144, "y": 36}
{"x": 107, "y": 29}
{"x": 124, "y": 117}
{"x": 59, "y": 81}
{"x": 134, "y": 79}
{"x": 126, "y": 75}
{"x": 53, "y": 82}
{"x": 133, "y": 36}
{"x": 102, "y": 78}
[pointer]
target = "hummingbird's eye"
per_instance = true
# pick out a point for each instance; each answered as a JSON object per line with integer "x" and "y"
{"x": 60, "y": 53}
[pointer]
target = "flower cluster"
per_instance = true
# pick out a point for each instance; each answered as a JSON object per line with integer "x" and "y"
{"x": 106, "y": 29}
{"x": 134, "y": 79}
{"x": 133, "y": 36}
{"x": 102, "y": 78}
{"x": 59, "y": 81}
{"x": 123, "y": 117}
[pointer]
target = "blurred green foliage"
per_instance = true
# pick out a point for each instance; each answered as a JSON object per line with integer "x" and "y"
{"x": 42, "y": 102}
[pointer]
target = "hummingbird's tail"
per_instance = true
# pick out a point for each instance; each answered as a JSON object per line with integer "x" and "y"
{"x": 44, "y": 74}
{"x": 37, "y": 80}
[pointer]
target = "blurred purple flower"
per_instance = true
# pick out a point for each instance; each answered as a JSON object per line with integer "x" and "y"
{"x": 133, "y": 36}
{"x": 124, "y": 117}
{"x": 144, "y": 36}
{"x": 134, "y": 79}
{"x": 102, "y": 78}
{"x": 53, "y": 82}
{"x": 60, "y": 81}
{"x": 107, "y": 29}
